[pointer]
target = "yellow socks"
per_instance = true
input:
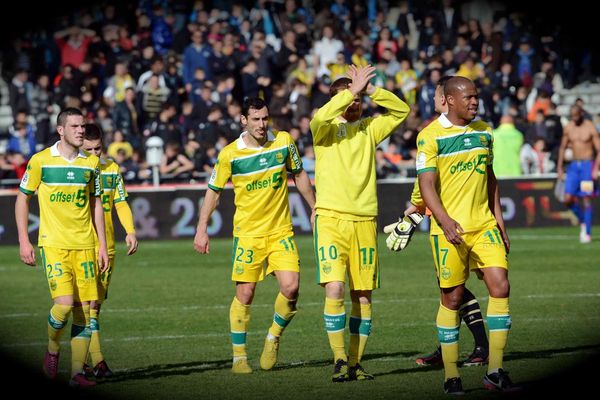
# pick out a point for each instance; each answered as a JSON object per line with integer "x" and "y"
{"x": 95, "y": 352}
{"x": 360, "y": 329}
{"x": 239, "y": 319}
{"x": 80, "y": 338}
{"x": 285, "y": 310}
{"x": 499, "y": 323}
{"x": 57, "y": 320}
{"x": 335, "y": 323}
{"x": 448, "y": 323}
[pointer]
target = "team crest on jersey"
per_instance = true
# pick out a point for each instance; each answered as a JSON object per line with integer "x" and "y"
{"x": 279, "y": 157}
{"x": 326, "y": 267}
{"x": 87, "y": 175}
{"x": 483, "y": 140}
{"x": 53, "y": 285}
{"x": 109, "y": 180}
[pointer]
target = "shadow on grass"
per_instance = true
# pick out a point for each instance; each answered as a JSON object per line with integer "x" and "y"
{"x": 515, "y": 355}
{"x": 162, "y": 370}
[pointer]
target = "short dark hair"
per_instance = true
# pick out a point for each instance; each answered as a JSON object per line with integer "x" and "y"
{"x": 61, "y": 120}
{"x": 338, "y": 85}
{"x": 252, "y": 102}
{"x": 93, "y": 132}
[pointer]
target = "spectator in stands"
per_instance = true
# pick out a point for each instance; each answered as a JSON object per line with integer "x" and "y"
{"x": 507, "y": 147}
{"x": 406, "y": 80}
{"x": 174, "y": 164}
{"x": 118, "y": 84}
{"x": 196, "y": 55}
{"x": 535, "y": 160}
{"x": 42, "y": 108}
{"x": 325, "y": 50}
{"x": 22, "y": 136}
{"x": 165, "y": 125}
{"x": 125, "y": 117}
{"x": 73, "y": 43}
{"x": 119, "y": 143}
{"x": 157, "y": 68}
{"x": 153, "y": 96}
{"x": 20, "y": 91}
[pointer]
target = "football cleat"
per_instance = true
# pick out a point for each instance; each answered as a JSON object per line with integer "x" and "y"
{"x": 79, "y": 380}
{"x": 499, "y": 381}
{"x": 358, "y": 373}
{"x": 241, "y": 366}
{"x": 478, "y": 357}
{"x": 101, "y": 370}
{"x": 454, "y": 386}
{"x": 434, "y": 358}
{"x": 340, "y": 371}
{"x": 51, "y": 365}
{"x": 268, "y": 358}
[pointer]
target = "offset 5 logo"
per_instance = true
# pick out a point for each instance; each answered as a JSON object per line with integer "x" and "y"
{"x": 463, "y": 166}
{"x": 274, "y": 181}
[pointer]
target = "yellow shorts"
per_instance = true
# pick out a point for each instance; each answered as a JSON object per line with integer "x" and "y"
{"x": 347, "y": 247}
{"x": 255, "y": 257}
{"x": 104, "y": 279}
{"x": 481, "y": 249}
{"x": 71, "y": 272}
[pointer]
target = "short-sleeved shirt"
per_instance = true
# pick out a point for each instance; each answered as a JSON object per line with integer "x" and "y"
{"x": 64, "y": 189}
{"x": 460, "y": 155}
{"x": 114, "y": 192}
{"x": 259, "y": 178}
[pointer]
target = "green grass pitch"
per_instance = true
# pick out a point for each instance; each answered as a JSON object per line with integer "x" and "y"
{"x": 165, "y": 329}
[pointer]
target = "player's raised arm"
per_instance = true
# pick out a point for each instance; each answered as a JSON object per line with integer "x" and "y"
{"x": 201, "y": 240}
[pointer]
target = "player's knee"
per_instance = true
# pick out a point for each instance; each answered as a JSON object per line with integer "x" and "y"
{"x": 245, "y": 294}
{"x": 500, "y": 289}
{"x": 290, "y": 289}
{"x": 453, "y": 298}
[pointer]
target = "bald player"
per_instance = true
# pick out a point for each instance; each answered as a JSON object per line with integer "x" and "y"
{"x": 582, "y": 137}
{"x": 458, "y": 185}
{"x": 470, "y": 311}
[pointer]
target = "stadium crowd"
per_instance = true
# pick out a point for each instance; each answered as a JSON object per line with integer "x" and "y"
{"x": 180, "y": 69}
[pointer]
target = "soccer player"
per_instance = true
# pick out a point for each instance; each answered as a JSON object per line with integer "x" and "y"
{"x": 345, "y": 232}
{"x": 454, "y": 163}
{"x": 115, "y": 195}
{"x": 583, "y": 139}
{"x": 470, "y": 311}
{"x": 263, "y": 240}
{"x": 68, "y": 181}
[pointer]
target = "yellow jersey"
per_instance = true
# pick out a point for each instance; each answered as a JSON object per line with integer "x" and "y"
{"x": 64, "y": 188}
{"x": 114, "y": 192}
{"x": 259, "y": 178}
{"x": 345, "y": 178}
{"x": 460, "y": 155}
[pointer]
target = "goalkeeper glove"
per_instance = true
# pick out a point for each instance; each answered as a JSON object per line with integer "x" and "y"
{"x": 401, "y": 232}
